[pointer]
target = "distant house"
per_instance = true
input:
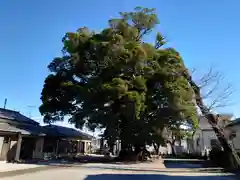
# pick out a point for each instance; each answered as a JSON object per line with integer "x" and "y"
{"x": 102, "y": 144}
{"x": 99, "y": 143}
{"x": 204, "y": 138}
{"x": 23, "y": 138}
{"x": 61, "y": 140}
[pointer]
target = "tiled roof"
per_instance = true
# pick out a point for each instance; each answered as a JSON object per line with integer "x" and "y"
{"x": 60, "y": 131}
{"x": 15, "y": 116}
{"x": 19, "y": 123}
{"x": 24, "y": 129}
{"x": 28, "y": 126}
{"x": 234, "y": 122}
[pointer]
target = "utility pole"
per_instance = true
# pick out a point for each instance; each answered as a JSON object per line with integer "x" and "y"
{"x": 5, "y": 103}
{"x": 29, "y": 112}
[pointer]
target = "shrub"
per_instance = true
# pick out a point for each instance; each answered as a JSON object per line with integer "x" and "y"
{"x": 218, "y": 157}
{"x": 126, "y": 155}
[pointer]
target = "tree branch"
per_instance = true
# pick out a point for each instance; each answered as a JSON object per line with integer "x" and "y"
{"x": 213, "y": 90}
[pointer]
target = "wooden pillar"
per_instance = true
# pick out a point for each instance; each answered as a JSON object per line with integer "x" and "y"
{"x": 5, "y": 147}
{"x": 101, "y": 143}
{"x": 85, "y": 147}
{"x": 57, "y": 147}
{"x": 18, "y": 149}
{"x": 42, "y": 144}
{"x": 90, "y": 147}
{"x": 38, "y": 152}
{"x": 82, "y": 147}
{"x": 78, "y": 146}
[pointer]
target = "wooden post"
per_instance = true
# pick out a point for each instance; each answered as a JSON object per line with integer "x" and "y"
{"x": 57, "y": 148}
{"x": 18, "y": 149}
{"x": 78, "y": 146}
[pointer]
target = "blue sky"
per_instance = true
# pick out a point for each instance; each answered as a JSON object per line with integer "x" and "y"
{"x": 205, "y": 32}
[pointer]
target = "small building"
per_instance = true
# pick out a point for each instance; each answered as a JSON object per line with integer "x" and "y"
{"x": 22, "y": 138}
{"x": 18, "y": 136}
{"x": 233, "y": 132}
{"x": 204, "y": 137}
{"x": 100, "y": 145}
{"x": 61, "y": 141}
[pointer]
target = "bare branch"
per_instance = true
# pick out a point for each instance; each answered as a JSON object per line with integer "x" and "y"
{"x": 223, "y": 99}
{"x": 213, "y": 90}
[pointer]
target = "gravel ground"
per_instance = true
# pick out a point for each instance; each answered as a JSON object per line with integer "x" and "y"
{"x": 141, "y": 171}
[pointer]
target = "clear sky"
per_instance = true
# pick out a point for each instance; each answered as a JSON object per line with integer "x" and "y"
{"x": 205, "y": 32}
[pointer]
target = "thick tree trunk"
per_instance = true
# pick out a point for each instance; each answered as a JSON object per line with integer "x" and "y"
{"x": 231, "y": 154}
{"x": 111, "y": 148}
{"x": 213, "y": 121}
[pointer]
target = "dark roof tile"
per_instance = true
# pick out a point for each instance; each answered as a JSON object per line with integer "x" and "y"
{"x": 234, "y": 122}
{"x": 23, "y": 129}
{"x": 60, "y": 131}
{"x": 15, "y": 116}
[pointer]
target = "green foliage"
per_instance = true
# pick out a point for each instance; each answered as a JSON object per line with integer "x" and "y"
{"x": 115, "y": 80}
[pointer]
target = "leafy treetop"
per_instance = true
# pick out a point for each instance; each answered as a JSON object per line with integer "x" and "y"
{"x": 115, "y": 80}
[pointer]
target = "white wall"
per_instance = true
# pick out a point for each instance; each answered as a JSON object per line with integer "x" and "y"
{"x": 205, "y": 134}
{"x": 203, "y": 123}
{"x": 205, "y": 137}
{"x": 1, "y": 143}
{"x": 197, "y": 135}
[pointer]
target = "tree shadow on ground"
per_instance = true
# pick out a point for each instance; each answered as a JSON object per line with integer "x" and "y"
{"x": 158, "y": 170}
{"x": 156, "y": 177}
{"x": 86, "y": 159}
{"x": 182, "y": 165}
{"x": 171, "y": 166}
{"x": 178, "y": 163}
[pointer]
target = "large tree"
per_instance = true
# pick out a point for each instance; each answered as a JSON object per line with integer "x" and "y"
{"x": 115, "y": 80}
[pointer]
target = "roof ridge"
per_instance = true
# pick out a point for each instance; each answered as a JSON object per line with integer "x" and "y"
{"x": 67, "y": 128}
{"x": 9, "y": 110}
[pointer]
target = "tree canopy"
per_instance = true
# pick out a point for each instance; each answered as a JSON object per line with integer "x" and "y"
{"x": 115, "y": 80}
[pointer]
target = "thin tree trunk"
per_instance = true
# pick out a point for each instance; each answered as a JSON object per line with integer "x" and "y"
{"x": 180, "y": 141}
{"x": 213, "y": 121}
{"x": 173, "y": 150}
{"x": 156, "y": 148}
{"x": 172, "y": 143}
{"x": 124, "y": 145}
{"x": 111, "y": 148}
